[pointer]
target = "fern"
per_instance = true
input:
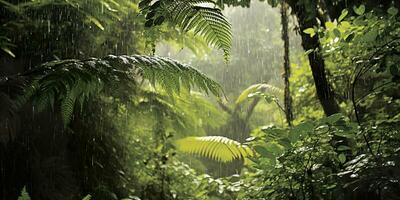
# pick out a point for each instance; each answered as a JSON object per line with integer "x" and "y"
{"x": 192, "y": 15}
{"x": 234, "y": 3}
{"x": 260, "y": 87}
{"x": 215, "y": 147}
{"x": 24, "y": 195}
{"x": 72, "y": 81}
{"x": 87, "y": 197}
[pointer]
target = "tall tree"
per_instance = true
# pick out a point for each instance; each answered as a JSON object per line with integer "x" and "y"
{"x": 306, "y": 14}
{"x": 286, "y": 64}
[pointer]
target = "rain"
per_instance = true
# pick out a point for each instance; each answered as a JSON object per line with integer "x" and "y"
{"x": 199, "y": 100}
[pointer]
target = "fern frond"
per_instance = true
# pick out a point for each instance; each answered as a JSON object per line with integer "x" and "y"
{"x": 194, "y": 15}
{"x": 260, "y": 87}
{"x": 24, "y": 195}
{"x": 71, "y": 81}
{"x": 215, "y": 147}
{"x": 234, "y": 3}
{"x": 87, "y": 197}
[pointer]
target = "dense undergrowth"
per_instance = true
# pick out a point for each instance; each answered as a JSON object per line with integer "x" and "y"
{"x": 88, "y": 111}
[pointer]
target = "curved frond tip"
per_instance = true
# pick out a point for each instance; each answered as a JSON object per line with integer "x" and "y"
{"x": 215, "y": 147}
{"x": 202, "y": 17}
{"x": 260, "y": 87}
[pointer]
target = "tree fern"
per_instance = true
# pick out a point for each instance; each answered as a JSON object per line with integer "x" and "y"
{"x": 260, "y": 87}
{"x": 72, "y": 81}
{"x": 192, "y": 15}
{"x": 215, "y": 147}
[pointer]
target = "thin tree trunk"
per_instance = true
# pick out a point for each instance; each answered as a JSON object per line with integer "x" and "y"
{"x": 286, "y": 64}
{"x": 324, "y": 91}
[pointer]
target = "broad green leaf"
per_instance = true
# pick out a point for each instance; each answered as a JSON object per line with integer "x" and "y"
{"x": 392, "y": 11}
{"x": 310, "y": 31}
{"x": 349, "y": 37}
{"x": 343, "y": 15}
{"x": 360, "y": 10}
{"x": 274, "y": 148}
{"x": 342, "y": 158}
{"x": 263, "y": 151}
{"x": 345, "y": 25}
{"x": 370, "y": 36}
{"x": 332, "y": 119}
{"x": 330, "y": 25}
{"x": 343, "y": 148}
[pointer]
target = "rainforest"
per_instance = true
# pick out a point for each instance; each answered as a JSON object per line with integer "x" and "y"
{"x": 199, "y": 100}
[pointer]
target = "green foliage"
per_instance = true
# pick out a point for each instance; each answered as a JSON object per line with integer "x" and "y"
{"x": 304, "y": 162}
{"x": 83, "y": 22}
{"x": 24, "y": 195}
{"x": 258, "y": 88}
{"x": 195, "y": 15}
{"x": 371, "y": 76}
{"x": 96, "y": 155}
{"x": 333, "y": 157}
{"x": 135, "y": 111}
{"x": 215, "y": 147}
{"x": 72, "y": 81}
{"x": 242, "y": 3}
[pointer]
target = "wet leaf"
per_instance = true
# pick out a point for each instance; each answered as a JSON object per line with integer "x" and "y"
{"x": 95, "y": 22}
{"x": 342, "y": 158}
{"x": 263, "y": 151}
{"x": 159, "y": 20}
{"x": 310, "y": 31}
{"x": 8, "y": 51}
{"x": 392, "y": 11}
{"x": 360, "y": 10}
{"x": 343, "y": 148}
{"x": 343, "y": 15}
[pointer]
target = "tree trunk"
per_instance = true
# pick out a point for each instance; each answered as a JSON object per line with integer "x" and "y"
{"x": 286, "y": 64}
{"x": 324, "y": 91}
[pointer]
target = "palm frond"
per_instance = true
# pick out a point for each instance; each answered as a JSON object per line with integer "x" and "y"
{"x": 215, "y": 147}
{"x": 192, "y": 15}
{"x": 72, "y": 81}
{"x": 260, "y": 87}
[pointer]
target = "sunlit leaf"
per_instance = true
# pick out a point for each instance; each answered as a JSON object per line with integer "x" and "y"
{"x": 261, "y": 88}
{"x": 95, "y": 22}
{"x": 343, "y": 15}
{"x": 8, "y": 51}
{"x": 215, "y": 147}
{"x": 310, "y": 31}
